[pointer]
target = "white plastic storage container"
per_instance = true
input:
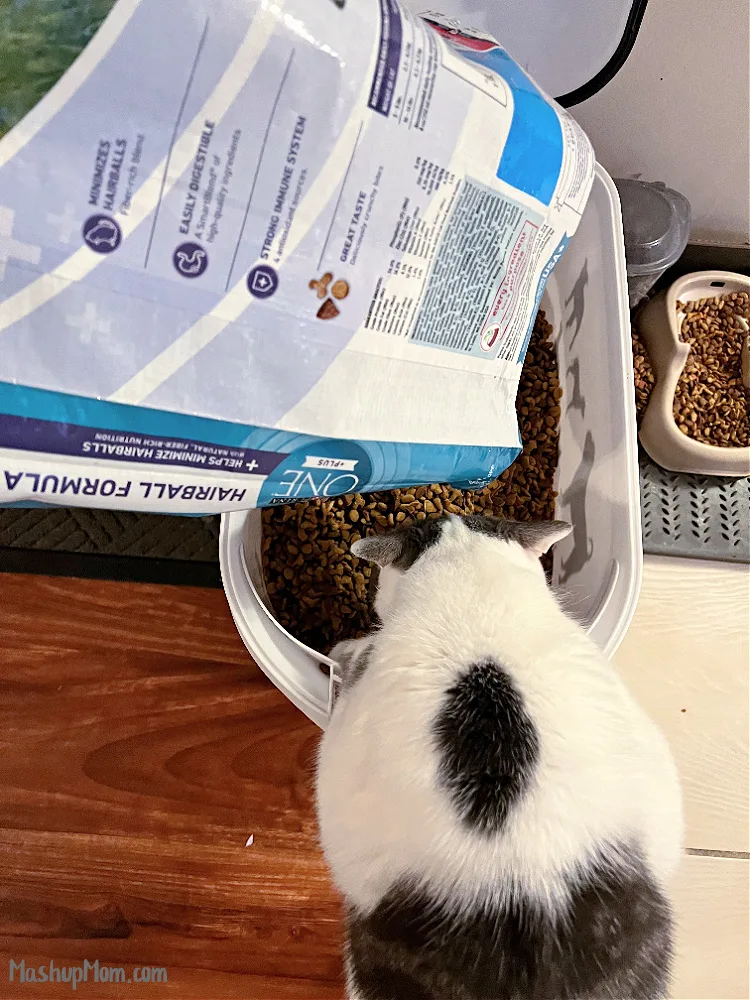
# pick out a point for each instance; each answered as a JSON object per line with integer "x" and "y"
{"x": 599, "y": 565}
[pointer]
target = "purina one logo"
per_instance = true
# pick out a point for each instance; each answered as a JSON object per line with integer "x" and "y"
{"x": 320, "y": 469}
{"x": 88, "y": 972}
{"x": 331, "y": 478}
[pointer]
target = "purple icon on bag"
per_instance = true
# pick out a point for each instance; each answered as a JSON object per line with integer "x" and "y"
{"x": 102, "y": 233}
{"x": 190, "y": 260}
{"x": 262, "y": 281}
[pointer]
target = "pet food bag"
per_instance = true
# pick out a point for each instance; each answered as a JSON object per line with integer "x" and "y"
{"x": 257, "y": 251}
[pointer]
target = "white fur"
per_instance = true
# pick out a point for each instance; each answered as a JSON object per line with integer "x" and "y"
{"x": 605, "y": 773}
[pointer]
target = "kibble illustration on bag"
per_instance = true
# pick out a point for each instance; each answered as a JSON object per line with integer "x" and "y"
{"x": 269, "y": 256}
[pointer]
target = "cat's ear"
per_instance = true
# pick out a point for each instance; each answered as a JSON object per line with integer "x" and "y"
{"x": 537, "y": 537}
{"x": 381, "y": 549}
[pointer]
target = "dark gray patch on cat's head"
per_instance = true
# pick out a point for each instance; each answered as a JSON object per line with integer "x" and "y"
{"x": 613, "y": 940}
{"x": 487, "y": 744}
{"x": 401, "y": 547}
{"x": 534, "y": 536}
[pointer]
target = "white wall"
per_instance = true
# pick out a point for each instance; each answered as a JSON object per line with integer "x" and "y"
{"x": 679, "y": 112}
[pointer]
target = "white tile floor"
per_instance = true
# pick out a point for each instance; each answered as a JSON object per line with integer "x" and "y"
{"x": 687, "y": 658}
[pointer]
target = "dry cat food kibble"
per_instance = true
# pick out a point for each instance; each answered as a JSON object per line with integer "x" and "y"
{"x": 711, "y": 402}
{"x": 643, "y": 373}
{"x": 319, "y": 590}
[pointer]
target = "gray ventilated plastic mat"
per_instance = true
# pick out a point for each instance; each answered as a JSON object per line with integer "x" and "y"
{"x": 110, "y": 532}
{"x": 701, "y": 517}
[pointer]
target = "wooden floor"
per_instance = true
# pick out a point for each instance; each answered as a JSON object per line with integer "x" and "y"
{"x": 686, "y": 658}
{"x": 139, "y": 750}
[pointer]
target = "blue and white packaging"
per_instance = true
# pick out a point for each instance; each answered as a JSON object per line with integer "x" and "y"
{"x": 254, "y": 252}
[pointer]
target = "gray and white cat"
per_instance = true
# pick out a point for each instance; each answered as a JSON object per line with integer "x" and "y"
{"x": 498, "y": 813}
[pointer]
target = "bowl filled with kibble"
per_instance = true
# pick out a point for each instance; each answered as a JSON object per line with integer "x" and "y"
{"x": 295, "y": 588}
{"x": 697, "y": 335}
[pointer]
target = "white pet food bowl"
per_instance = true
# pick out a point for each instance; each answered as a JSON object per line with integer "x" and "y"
{"x": 599, "y": 565}
{"x": 660, "y": 326}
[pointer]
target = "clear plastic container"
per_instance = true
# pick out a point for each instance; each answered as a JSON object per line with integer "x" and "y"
{"x": 656, "y": 223}
{"x": 599, "y": 564}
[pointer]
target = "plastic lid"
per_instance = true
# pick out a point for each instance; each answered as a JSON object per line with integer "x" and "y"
{"x": 572, "y": 48}
{"x": 656, "y": 222}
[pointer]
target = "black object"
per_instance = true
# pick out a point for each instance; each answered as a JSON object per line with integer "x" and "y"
{"x": 615, "y": 63}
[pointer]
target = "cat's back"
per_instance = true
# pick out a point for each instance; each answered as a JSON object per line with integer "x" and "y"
{"x": 495, "y": 808}
{"x": 478, "y": 860}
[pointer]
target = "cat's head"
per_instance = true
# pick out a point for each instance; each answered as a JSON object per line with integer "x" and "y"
{"x": 520, "y": 544}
